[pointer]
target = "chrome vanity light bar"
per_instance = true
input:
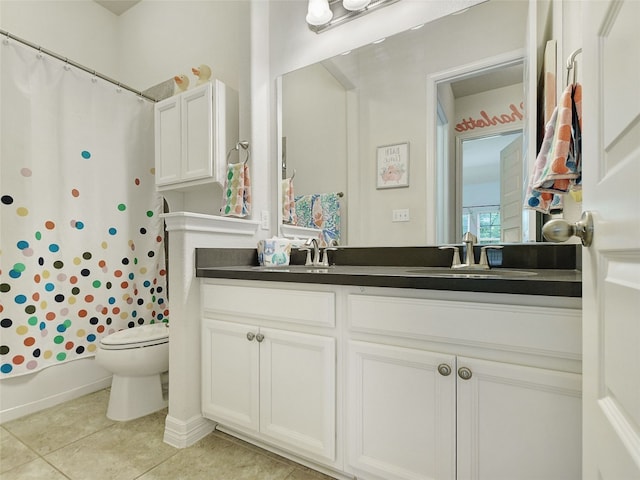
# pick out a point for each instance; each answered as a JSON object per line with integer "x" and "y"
{"x": 342, "y": 15}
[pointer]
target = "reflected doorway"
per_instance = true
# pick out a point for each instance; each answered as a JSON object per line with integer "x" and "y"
{"x": 490, "y": 178}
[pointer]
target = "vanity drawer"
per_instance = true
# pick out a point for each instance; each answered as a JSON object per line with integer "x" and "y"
{"x": 292, "y": 306}
{"x": 545, "y": 331}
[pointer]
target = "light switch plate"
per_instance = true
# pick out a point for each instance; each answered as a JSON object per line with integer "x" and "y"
{"x": 264, "y": 220}
{"x": 400, "y": 215}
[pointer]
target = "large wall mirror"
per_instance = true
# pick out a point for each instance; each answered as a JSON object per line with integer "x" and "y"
{"x": 357, "y": 127}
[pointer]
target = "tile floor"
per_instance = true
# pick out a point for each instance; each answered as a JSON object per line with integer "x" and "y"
{"x": 77, "y": 441}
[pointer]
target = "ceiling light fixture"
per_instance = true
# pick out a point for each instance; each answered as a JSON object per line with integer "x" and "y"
{"x": 325, "y": 14}
{"x": 319, "y": 13}
{"x": 353, "y": 5}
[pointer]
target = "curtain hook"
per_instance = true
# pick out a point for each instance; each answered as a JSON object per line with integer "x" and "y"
{"x": 6, "y": 39}
{"x": 94, "y": 79}
{"x": 67, "y": 67}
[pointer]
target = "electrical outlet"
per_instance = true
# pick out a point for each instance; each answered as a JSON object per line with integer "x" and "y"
{"x": 264, "y": 220}
{"x": 401, "y": 215}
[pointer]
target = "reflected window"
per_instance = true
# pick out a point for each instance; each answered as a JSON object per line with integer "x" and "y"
{"x": 485, "y": 224}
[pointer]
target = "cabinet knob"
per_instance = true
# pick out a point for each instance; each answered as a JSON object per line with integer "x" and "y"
{"x": 444, "y": 369}
{"x": 259, "y": 337}
{"x": 464, "y": 373}
{"x": 251, "y": 336}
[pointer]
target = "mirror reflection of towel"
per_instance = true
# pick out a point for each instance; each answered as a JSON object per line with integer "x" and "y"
{"x": 288, "y": 202}
{"x": 320, "y": 211}
{"x": 236, "y": 199}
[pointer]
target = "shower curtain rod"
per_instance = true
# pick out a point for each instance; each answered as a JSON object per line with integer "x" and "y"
{"x": 8, "y": 36}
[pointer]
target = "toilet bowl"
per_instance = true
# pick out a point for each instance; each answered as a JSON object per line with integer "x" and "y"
{"x": 137, "y": 357}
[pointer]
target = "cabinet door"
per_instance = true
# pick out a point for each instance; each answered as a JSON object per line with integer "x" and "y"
{"x": 401, "y": 422}
{"x": 168, "y": 143}
{"x": 517, "y": 422}
{"x": 230, "y": 374}
{"x": 197, "y": 133}
{"x": 297, "y": 391}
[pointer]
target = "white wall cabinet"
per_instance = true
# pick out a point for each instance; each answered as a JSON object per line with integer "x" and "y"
{"x": 194, "y": 131}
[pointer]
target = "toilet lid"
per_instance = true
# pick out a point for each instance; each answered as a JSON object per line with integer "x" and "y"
{"x": 143, "y": 336}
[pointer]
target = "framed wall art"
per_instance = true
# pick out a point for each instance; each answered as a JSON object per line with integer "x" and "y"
{"x": 393, "y": 166}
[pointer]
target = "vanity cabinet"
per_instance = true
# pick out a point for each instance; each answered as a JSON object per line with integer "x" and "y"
{"x": 194, "y": 130}
{"x": 421, "y": 407}
{"x": 277, "y": 385}
{"x": 396, "y": 384}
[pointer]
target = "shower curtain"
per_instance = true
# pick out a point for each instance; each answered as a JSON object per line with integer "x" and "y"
{"x": 81, "y": 240}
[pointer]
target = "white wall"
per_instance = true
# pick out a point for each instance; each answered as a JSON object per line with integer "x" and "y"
{"x": 81, "y": 30}
{"x": 314, "y": 121}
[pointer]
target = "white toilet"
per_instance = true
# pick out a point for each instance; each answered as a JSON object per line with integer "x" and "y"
{"x": 137, "y": 357}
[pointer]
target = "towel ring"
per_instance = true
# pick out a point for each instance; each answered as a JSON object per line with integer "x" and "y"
{"x": 241, "y": 144}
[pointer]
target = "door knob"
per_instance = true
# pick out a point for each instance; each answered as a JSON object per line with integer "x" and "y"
{"x": 560, "y": 230}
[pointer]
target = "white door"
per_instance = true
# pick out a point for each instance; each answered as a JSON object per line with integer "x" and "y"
{"x": 402, "y": 413}
{"x": 517, "y": 422}
{"x": 611, "y": 266}
{"x": 511, "y": 192}
{"x": 298, "y": 391}
{"x": 230, "y": 356}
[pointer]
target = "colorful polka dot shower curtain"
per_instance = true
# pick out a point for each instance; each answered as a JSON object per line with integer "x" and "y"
{"x": 81, "y": 238}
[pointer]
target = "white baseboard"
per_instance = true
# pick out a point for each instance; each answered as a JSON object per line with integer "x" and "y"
{"x": 181, "y": 434}
{"x": 52, "y": 400}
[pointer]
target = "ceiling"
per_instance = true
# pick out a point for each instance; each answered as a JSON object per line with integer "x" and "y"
{"x": 502, "y": 77}
{"x": 117, "y": 7}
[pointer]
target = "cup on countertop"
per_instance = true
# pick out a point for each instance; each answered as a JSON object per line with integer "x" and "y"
{"x": 274, "y": 251}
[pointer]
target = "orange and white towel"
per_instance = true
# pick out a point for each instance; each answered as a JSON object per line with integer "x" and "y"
{"x": 288, "y": 202}
{"x": 563, "y": 169}
{"x": 534, "y": 199}
{"x": 557, "y": 169}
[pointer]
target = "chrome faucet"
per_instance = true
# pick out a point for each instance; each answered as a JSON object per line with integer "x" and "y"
{"x": 313, "y": 258}
{"x": 333, "y": 243}
{"x": 469, "y": 240}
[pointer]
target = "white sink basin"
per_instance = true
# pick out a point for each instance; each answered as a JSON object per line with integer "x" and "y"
{"x": 469, "y": 273}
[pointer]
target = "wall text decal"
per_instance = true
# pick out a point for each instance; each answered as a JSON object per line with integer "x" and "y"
{"x": 515, "y": 114}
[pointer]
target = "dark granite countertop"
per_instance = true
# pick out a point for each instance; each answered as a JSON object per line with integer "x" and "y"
{"x": 551, "y": 270}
